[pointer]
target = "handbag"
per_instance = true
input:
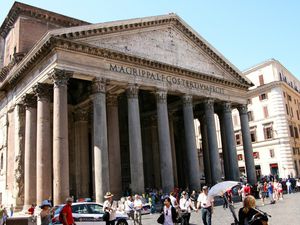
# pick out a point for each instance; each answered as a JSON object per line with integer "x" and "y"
{"x": 161, "y": 219}
{"x": 105, "y": 216}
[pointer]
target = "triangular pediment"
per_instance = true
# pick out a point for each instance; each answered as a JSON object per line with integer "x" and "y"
{"x": 166, "y": 39}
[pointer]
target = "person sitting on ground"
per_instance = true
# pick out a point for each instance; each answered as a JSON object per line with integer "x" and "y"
{"x": 249, "y": 215}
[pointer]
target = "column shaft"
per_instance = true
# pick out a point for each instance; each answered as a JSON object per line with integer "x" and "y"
{"x": 215, "y": 165}
{"x": 82, "y": 157}
{"x": 247, "y": 144}
{"x": 61, "y": 174}
{"x": 43, "y": 144}
{"x": 173, "y": 149}
{"x": 114, "y": 153}
{"x": 224, "y": 147}
{"x": 191, "y": 148}
{"x": 135, "y": 140}
{"x": 30, "y": 151}
{"x": 166, "y": 165}
{"x": 100, "y": 140}
{"x": 233, "y": 167}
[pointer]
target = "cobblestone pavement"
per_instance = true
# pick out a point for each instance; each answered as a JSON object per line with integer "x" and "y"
{"x": 286, "y": 212}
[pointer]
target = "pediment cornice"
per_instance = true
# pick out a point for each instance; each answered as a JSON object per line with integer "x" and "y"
{"x": 165, "y": 20}
{"x": 53, "y": 43}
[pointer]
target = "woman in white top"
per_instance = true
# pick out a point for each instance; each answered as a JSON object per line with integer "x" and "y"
{"x": 185, "y": 207}
{"x": 111, "y": 207}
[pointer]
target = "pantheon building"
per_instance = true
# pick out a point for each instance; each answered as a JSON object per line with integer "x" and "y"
{"x": 90, "y": 108}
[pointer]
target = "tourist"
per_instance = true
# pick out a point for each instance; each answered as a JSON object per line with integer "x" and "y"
{"x": 46, "y": 214}
{"x": 11, "y": 210}
{"x": 169, "y": 212}
{"x": 174, "y": 200}
{"x": 297, "y": 185}
{"x": 249, "y": 215}
{"x": 247, "y": 190}
{"x": 270, "y": 192}
{"x": 66, "y": 216}
{"x": 129, "y": 208}
{"x": 31, "y": 209}
{"x": 110, "y": 207}
{"x": 261, "y": 193}
{"x": 288, "y": 186}
{"x": 138, "y": 205}
{"x": 185, "y": 207}
{"x": 206, "y": 203}
{"x": 279, "y": 191}
{"x": 2, "y": 211}
{"x": 193, "y": 199}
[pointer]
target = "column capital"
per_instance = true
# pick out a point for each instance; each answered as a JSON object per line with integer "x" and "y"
{"x": 132, "y": 91}
{"x": 112, "y": 100}
{"x": 60, "y": 77}
{"x": 209, "y": 103}
{"x": 187, "y": 100}
{"x": 42, "y": 91}
{"x": 29, "y": 101}
{"x": 226, "y": 107}
{"x": 81, "y": 115}
{"x": 99, "y": 85}
{"x": 243, "y": 109}
{"x": 161, "y": 96}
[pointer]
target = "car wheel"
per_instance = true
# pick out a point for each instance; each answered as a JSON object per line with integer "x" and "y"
{"x": 122, "y": 222}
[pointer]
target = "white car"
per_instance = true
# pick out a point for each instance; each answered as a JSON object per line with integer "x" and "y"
{"x": 89, "y": 213}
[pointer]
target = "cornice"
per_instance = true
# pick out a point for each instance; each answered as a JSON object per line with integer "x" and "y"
{"x": 38, "y": 13}
{"x": 55, "y": 43}
{"x": 172, "y": 20}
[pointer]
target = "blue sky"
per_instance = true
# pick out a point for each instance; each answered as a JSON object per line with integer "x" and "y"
{"x": 246, "y": 32}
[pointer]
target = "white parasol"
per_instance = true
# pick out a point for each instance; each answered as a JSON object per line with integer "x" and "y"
{"x": 219, "y": 188}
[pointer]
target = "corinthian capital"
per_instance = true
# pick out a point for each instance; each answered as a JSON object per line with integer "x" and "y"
{"x": 209, "y": 104}
{"x": 161, "y": 96}
{"x": 226, "y": 107}
{"x": 42, "y": 91}
{"x": 243, "y": 109}
{"x": 60, "y": 77}
{"x": 187, "y": 100}
{"x": 99, "y": 85}
{"x": 132, "y": 91}
{"x": 29, "y": 101}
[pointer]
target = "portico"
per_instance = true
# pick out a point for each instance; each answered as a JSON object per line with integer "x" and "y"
{"x": 119, "y": 105}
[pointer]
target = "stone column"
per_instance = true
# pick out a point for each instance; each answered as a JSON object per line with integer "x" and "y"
{"x": 173, "y": 148}
{"x": 205, "y": 148}
{"x": 167, "y": 176}
{"x": 18, "y": 167}
{"x": 247, "y": 144}
{"x": 82, "y": 156}
{"x": 224, "y": 147}
{"x": 30, "y": 151}
{"x": 43, "y": 143}
{"x": 156, "y": 175}
{"x": 215, "y": 165}
{"x": 61, "y": 189}
{"x": 101, "y": 164}
{"x": 233, "y": 167}
{"x": 135, "y": 140}
{"x": 114, "y": 153}
{"x": 190, "y": 140}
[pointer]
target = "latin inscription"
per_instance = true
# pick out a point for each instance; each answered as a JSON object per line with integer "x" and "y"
{"x": 171, "y": 80}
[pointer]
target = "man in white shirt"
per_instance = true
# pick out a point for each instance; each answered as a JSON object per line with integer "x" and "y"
{"x": 138, "y": 205}
{"x": 129, "y": 208}
{"x": 206, "y": 203}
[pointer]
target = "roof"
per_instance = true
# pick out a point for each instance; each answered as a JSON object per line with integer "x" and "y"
{"x": 19, "y": 8}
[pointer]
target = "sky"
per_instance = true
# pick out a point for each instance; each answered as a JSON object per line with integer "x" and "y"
{"x": 246, "y": 32}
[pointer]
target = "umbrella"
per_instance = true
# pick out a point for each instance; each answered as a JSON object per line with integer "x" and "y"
{"x": 219, "y": 188}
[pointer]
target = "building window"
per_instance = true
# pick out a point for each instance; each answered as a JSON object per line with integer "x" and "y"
{"x": 235, "y": 120}
{"x": 296, "y": 132}
{"x": 266, "y": 113}
{"x": 289, "y": 98}
{"x": 287, "y": 109}
{"x": 297, "y": 114}
{"x": 292, "y": 112}
{"x": 240, "y": 157}
{"x": 256, "y": 155}
{"x": 261, "y": 80}
{"x": 238, "y": 139}
{"x": 284, "y": 95}
{"x": 268, "y": 131}
{"x": 1, "y": 162}
{"x": 253, "y": 135}
{"x": 272, "y": 153}
{"x": 250, "y": 116}
{"x": 291, "y": 131}
{"x": 263, "y": 96}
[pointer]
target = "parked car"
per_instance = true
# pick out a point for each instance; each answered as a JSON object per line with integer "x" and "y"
{"x": 89, "y": 213}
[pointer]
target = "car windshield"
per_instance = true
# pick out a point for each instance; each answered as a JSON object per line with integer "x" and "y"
{"x": 95, "y": 209}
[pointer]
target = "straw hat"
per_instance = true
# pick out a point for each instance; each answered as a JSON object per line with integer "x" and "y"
{"x": 108, "y": 195}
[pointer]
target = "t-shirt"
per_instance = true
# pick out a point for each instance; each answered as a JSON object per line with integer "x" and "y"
{"x": 205, "y": 200}
{"x": 31, "y": 210}
{"x": 247, "y": 190}
{"x": 129, "y": 206}
{"x": 173, "y": 201}
{"x": 138, "y": 204}
{"x": 67, "y": 210}
{"x": 168, "y": 216}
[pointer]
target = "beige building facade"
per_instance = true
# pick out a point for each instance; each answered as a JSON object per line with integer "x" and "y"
{"x": 89, "y": 108}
